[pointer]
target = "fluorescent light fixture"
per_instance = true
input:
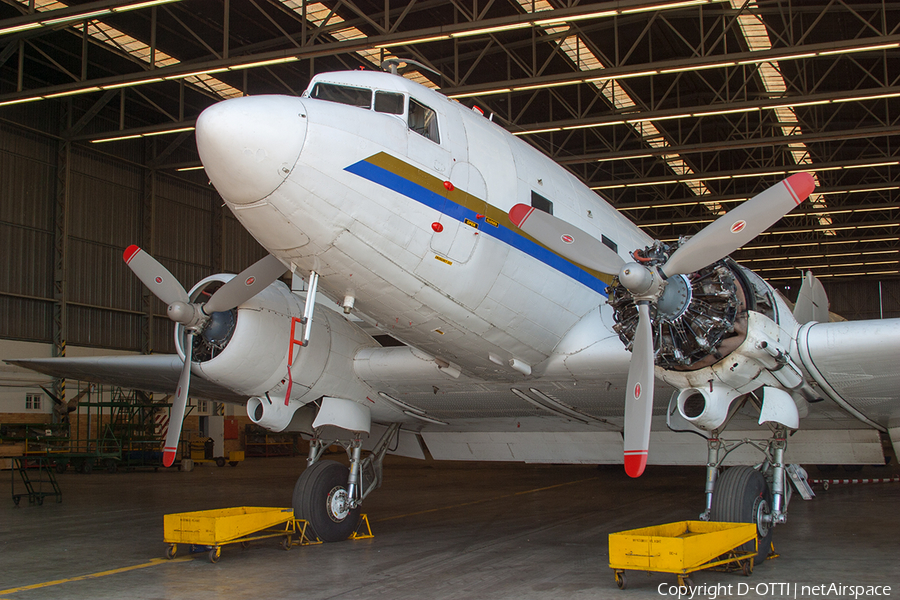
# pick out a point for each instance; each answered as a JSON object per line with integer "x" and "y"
{"x": 487, "y": 30}
{"x": 572, "y": 19}
{"x": 880, "y": 189}
{"x": 84, "y": 16}
{"x": 140, "y": 135}
{"x": 182, "y": 169}
{"x": 264, "y": 63}
{"x": 73, "y": 92}
{"x": 18, "y": 28}
{"x": 115, "y": 86}
{"x": 78, "y": 17}
{"x": 196, "y": 73}
{"x": 140, "y": 5}
{"x": 697, "y": 67}
{"x": 628, "y": 158}
{"x": 862, "y": 98}
{"x": 631, "y": 11}
{"x": 21, "y": 101}
{"x": 424, "y": 40}
{"x": 858, "y": 48}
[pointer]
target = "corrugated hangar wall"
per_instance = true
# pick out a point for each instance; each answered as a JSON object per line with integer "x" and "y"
{"x": 110, "y": 200}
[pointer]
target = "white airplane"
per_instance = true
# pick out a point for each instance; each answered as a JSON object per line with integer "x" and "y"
{"x": 535, "y": 317}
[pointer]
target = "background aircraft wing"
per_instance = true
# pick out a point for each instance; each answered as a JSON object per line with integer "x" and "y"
{"x": 152, "y": 373}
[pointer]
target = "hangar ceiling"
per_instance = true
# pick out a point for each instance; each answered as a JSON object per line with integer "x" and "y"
{"x": 672, "y": 110}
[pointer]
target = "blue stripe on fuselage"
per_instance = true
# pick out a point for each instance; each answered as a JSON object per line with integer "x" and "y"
{"x": 423, "y": 195}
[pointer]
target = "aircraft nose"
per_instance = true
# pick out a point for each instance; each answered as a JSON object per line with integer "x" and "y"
{"x": 249, "y": 145}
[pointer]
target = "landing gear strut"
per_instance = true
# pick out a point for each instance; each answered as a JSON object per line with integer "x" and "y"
{"x": 329, "y": 495}
{"x": 760, "y": 494}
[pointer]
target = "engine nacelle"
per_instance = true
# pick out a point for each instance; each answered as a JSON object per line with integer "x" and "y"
{"x": 247, "y": 349}
{"x": 271, "y": 413}
{"x": 704, "y": 409}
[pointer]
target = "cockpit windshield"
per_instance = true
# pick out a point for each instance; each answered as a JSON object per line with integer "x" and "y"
{"x": 343, "y": 94}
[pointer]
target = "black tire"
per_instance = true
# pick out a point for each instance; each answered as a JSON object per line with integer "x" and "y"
{"x": 313, "y": 494}
{"x": 740, "y": 496}
{"x": 220, "y": 462}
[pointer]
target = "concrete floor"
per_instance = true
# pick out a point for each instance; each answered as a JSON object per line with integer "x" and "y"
{"x": 442, "y": 531}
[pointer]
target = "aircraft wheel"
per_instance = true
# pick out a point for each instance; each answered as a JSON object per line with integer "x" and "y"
{"x": 320, "y": 497}
{"x": 742, "y": 496}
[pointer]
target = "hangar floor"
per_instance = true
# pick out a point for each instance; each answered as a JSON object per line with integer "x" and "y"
{"x": 442, "y": 531}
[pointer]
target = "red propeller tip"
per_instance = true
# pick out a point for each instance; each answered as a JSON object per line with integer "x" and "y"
{"x": 801, "y": 186}
{"x": 520, "y": 212}
{"x": 168, "y": 458}
{"x": 129, "y": 253}
{"x": 635, "y": 462}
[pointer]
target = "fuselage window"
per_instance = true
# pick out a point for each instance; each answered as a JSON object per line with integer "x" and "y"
{"x": 343, "y": 94}
{"x": 541, "y": 203}
{"x": 423, "y": 121}
{"x": 387, "y": 102}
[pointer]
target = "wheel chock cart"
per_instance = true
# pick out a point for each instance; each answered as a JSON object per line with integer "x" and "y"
{"x": 213, "y": 529}
{"x": 681, "y": 548}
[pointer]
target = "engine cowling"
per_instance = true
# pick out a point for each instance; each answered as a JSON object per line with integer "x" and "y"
{"x": 247, "y": 350}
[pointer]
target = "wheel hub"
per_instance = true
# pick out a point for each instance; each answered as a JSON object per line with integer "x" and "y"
{"x": 763, "y": 518}
{"x": 338, "y": 504}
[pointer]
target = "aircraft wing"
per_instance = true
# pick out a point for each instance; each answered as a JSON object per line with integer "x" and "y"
{"x": 154, "y": 373}
{"x": 856, "y": 364}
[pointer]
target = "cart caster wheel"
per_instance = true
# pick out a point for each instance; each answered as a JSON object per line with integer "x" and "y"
{"x": 245, "y": 545}
{"x": 220, "y": 462}
{"x": 171, "y": 551}
{"x": 214, "y": 555}
{"x": 685, "y": 582}
{"x": 747, "y": 567}
{"x": 621, "y": 581}
{"x": 233, "y": 463}
{"x": 287, "y": 542}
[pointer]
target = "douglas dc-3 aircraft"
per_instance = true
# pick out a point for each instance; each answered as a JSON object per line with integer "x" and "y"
{"x": 535, "y": 317}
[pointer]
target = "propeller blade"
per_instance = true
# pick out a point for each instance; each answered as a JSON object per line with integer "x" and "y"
{"x": 178, "y": 405}
{"x": 639, "y": 395}
{"x": 740, "y": 225}
{"x": 565, "y": 239}
{"x": 245, "y": 285}
{"x": 155, "y": 276}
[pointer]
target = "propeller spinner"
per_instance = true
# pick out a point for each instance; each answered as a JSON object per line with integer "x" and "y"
{"x": 195, "y": 317}
{"x": 647, "y": 283}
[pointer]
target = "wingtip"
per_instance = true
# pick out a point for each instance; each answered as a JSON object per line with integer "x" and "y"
{"x": 168, "y": 458}
{"x": 635, "y": 463}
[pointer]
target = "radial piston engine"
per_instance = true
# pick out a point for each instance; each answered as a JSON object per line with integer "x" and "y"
{"x": 694, "y": 315}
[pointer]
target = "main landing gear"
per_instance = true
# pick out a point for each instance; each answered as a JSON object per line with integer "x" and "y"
{"x": 329, "y": 495}
{"x": 760, "y": 494}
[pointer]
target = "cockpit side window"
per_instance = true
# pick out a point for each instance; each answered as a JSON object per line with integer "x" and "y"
{"x": 343, "y": 94}
{"x": 423, "y": 121}
{"x": 388, "y": 102}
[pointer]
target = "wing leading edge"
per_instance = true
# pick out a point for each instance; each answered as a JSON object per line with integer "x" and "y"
{"x": 154, "y": 373}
